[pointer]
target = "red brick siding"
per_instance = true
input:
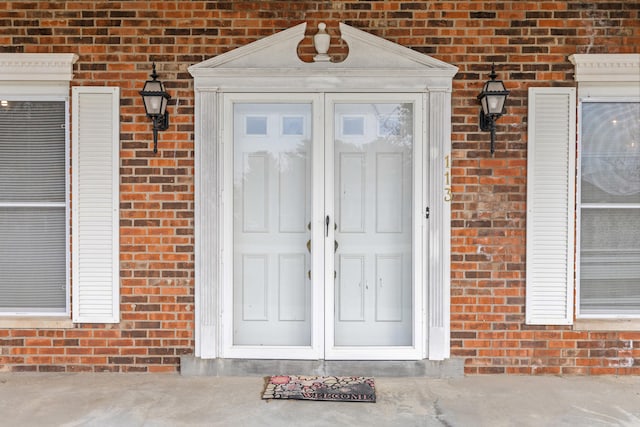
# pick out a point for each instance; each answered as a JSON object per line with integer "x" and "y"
{"x": 117, "y": 40}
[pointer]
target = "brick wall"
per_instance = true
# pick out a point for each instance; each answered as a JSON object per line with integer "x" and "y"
{"x": 117, "y": 41}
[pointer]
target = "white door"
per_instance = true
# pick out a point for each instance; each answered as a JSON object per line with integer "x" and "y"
{"x": 323, "y": 227}
{"x": 372, "y": 291}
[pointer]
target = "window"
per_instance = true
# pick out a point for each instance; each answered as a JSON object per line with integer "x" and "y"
{"x": 609, "y": 208}
{"x": 39, "y": 256}
{"x": 352, "y": 126}
{"x": 293, "y": 125}
{"x": 33, "y": 206}
{"x": 256, "y": 125}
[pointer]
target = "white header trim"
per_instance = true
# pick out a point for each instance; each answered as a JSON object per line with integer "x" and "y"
{"x": 37, "y": 66}
{"x": 608, "y": 68}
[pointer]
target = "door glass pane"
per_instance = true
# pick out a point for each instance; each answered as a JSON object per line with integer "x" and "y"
{"x": 373, "y": 190}
{"x": 271, "y": 216}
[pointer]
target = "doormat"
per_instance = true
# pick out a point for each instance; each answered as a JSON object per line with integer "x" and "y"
{"x": 337, "y": 389}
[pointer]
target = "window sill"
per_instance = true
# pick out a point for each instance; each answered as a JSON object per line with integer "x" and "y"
{"x": 606, "y": 325}
{"x": 25, "y": 322}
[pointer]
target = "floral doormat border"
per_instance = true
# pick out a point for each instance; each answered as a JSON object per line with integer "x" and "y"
{"x": 338, "y": 389}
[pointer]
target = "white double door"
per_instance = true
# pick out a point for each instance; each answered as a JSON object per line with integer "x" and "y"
{"x": 322, "y": 226}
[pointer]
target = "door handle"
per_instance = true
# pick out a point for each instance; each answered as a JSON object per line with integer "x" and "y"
{"x": 327, "y": 220}
{"x": 335, "y": 246}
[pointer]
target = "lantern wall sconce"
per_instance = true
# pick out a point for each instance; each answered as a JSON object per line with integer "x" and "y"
{"x": 155, "y": 100}
{"x": 492, "y": 98}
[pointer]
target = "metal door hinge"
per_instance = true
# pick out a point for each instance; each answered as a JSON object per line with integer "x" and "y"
{"x": 426, "y": 212}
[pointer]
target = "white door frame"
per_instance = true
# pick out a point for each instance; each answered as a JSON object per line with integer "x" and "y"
{"x": 271, "y": 65}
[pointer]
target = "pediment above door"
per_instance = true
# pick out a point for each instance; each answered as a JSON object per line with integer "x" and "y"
{"x": 372, "y": 63}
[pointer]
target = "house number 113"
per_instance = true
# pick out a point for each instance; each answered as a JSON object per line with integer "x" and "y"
{"x": 447, "y": 179}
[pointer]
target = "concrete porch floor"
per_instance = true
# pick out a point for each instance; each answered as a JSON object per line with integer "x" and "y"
{"x": 174, "y": 400}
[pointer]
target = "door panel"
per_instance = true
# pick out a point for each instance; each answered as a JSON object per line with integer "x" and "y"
{"x": 351, "y": 295}
{"x": 255, "y": 192}
{"x": 254, "y": 294}
{"x": 390, "y": 182}
{"x": 293, "y": 193}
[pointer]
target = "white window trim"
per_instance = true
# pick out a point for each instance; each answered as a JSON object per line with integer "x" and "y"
{"x": 41, "y": 77}
{"x": 589, "y": 324}
{"x": 603, "y": 78}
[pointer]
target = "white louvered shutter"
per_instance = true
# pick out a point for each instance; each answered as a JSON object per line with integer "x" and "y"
{"x": 550, "y": 206}
{"x": 95, "y": 198}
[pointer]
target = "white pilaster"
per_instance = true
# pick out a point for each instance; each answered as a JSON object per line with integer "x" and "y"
{"x": 207, "y": 229}
{"x": 439, "y": 182}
